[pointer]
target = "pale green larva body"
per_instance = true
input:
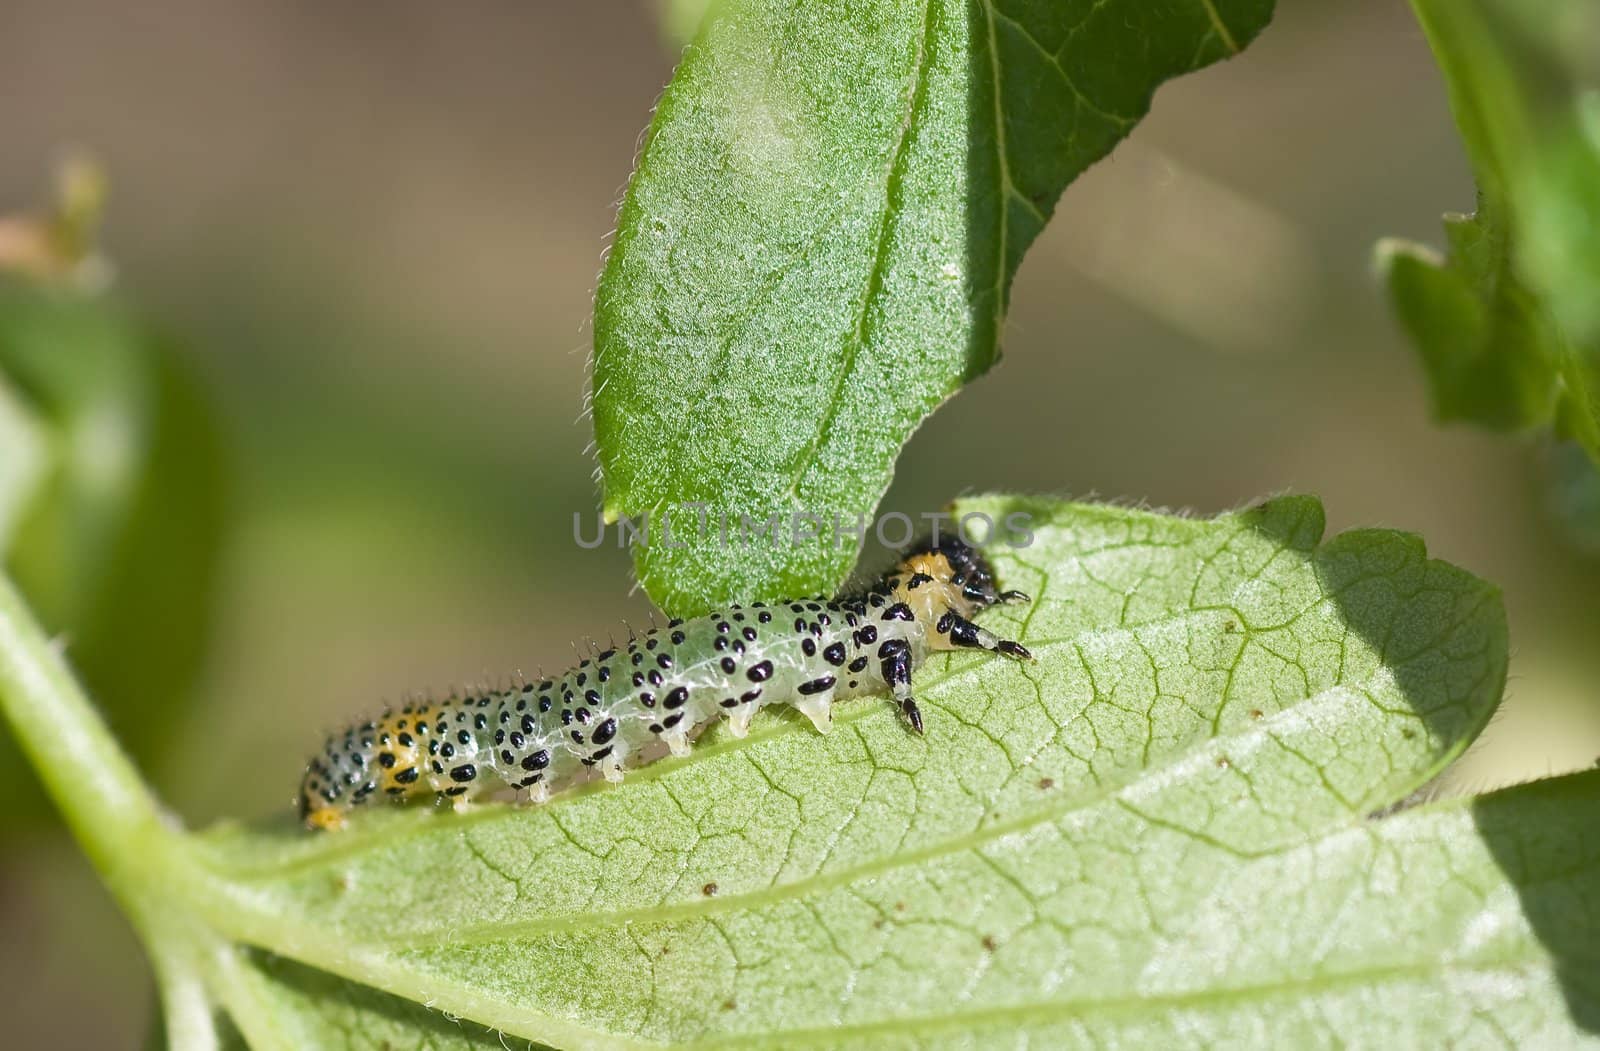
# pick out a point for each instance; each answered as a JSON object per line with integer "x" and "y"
{"x": 627, "y": 705}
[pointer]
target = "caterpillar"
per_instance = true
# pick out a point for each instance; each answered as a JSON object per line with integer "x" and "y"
{"x": 616, "y": 710}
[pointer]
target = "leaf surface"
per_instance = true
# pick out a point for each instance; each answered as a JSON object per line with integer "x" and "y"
{"x": 1159, "y": 832}
{"x": 816, "y": 250}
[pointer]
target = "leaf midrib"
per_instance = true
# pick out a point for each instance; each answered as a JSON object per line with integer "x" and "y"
{"x": 886, "y": 224}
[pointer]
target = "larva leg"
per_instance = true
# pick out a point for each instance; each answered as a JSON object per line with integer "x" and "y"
{"x": 960, "y": 633}
{"x": 816, "y": 703}
{"x": 896, "y": 667}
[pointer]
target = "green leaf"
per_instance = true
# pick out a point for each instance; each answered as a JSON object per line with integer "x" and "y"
{"x": 817, "y": 246}
{"x": 22, "y": 465}
{"x": 115, "y": 539}
{"x": 1508, "y": 325}
{"x": 1161, "y": 832}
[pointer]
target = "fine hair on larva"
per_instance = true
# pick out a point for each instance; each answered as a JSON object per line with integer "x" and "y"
{"x": 616, "y": 709}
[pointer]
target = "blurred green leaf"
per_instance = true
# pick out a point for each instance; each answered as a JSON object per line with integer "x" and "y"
{"x": 1508, "y": 325}
{"x": 817, "y": 246}
{"x": 1159, "y": 833}
{"x": 116, "y": 542}
{"x": 22, "y": 458}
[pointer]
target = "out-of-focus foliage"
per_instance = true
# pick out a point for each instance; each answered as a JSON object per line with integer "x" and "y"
{"x": 1508, "y": 324}
{"x": 817, "y": 249}
{"x": 111, "y": 506}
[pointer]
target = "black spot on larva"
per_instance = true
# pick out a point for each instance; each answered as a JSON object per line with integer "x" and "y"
{"x": 584, "y": 715}
{"x": 764, "y": 617}
{"x": 654, "y": 677}
{"x": 760, "y": 673}
{"x": 537, "y": 761}
{"x": 723, "y": 627}
{"x": 749, "y": 634}
{"x": 406, "y": 740}
{"x": 720, "y": 644}
{"x": 386, "y": 760}
{"x": 943, "y": 626}
{"x": 438, "y": 767}
{"x": 898, "y": 611}
{"x": 729, "y": 665}
{"x": 528, "y": 725}
{"x": 647, "y": 699}
{"x": 729, "y": 702}
{"x": 583, "y": 677}
{"x": 448, "y": 751}
{"x": 638, "y": 679}
{"x": 834, "y": 654}
{"x": 917, "y": 580}
{"x": 818, "y": 685}
{"x": 406, "y": 776}
{"x": 545, "y": 704}
{"x": 605, "y": 731}
{"x": 738, "y": 616}
{"x": 751, "y": 696}
{"x": 664, "y": 660}
{"x": 799, "y": 625}
{"x": 464, "y": 772}
{"x": 672, "y": 720}
{"x": 809, "y": 647}
{"x": 655, "y": 728}
{"x": 517, "y": 740}
{"x": 651, "y": 643}
{"x": 479, "y": 722}
{"x": 814, "y": 606}
{"x": 463, "y": 738}
{"x": 676, "y": 699}
{"x": 637, "y": 658}
{"x": 867, "y": 635}
{"x": 677, "y": 638}
{"x": 507, "y": 756}
{"x": 604, "y": 674}
{"x": 566, "y": 717}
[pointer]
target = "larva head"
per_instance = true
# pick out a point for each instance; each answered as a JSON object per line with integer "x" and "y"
{"x": 948, "y": 573}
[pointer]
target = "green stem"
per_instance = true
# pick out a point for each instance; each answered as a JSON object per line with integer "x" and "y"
{"x": 99, "y": 793}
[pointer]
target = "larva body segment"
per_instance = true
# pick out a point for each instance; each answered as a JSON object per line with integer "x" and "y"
{"x": 626, "y": 706}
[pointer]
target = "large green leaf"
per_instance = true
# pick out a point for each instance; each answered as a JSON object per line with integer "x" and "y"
{"x": 115, "y": 538}
{"x": 817, "y": 246}
{"x": 1508, "y": 325}
{"x": 1163, "y": 831}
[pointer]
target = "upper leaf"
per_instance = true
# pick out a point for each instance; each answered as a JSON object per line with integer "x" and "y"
{"x": 1508, "y": 325}
{"x": 1159, "y": 833}
{"x": 816, "y": 249}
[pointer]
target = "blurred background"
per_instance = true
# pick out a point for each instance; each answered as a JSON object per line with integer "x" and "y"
{"x": 371, "y": 234}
